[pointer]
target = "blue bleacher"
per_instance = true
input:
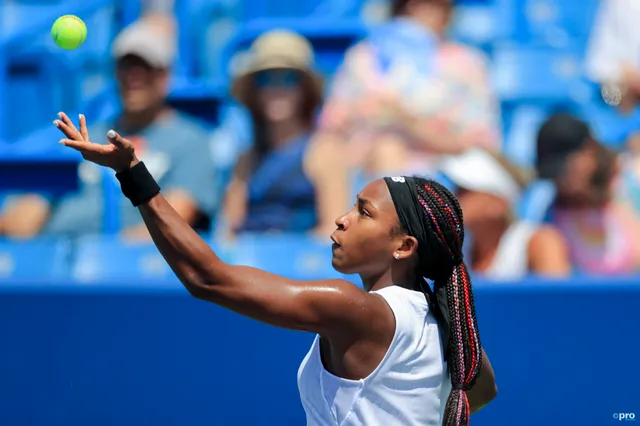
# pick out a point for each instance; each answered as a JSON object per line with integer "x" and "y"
{"x": 42, "y": 259}
{"x": 141, "y": 261}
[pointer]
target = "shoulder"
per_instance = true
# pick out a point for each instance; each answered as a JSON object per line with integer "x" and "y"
{"x": 546, "y": 236}
{"x": 323, "y": 153}
{"x": 358, "y": 55}
{"x": 548, "y": 252}
{"x": 464, "y": 55}
{"x": 342, "y": 302}
{"x": 189, "y": 128}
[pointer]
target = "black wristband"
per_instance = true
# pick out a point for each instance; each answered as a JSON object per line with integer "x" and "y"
{"x": 138, "y": 185}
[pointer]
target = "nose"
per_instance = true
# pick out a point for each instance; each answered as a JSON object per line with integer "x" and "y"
{"x": 342, "y": 222}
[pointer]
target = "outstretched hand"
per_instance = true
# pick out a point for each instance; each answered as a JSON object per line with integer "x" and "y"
{"x": 118, "y": 155}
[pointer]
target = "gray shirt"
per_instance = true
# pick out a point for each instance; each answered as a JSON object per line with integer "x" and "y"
{"x": 174, "y": 149}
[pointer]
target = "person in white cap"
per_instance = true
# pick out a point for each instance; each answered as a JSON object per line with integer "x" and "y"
{"x": 174, "y": 145}
{"x": 502, "y": 247}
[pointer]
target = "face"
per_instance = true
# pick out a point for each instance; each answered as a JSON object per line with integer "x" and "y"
{"x": 435, "y": 14}
{"x": 280, "y": 95}
{"x": 364, "y": 242}
{"x": 586, "y": 179}
{"x": 480, "y": 208}
{"x": 141, "y": 86}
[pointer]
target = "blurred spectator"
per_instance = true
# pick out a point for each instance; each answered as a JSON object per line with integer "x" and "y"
{"x": 590, "y": 210}
{"x": 283, "y": 183}
{"x": 173, "y": 146}
{"x": 158, "y": 6}
{"x": 502, "y": 247}
{"x": 612, "y": 58}
{"x": 406, "y": 94}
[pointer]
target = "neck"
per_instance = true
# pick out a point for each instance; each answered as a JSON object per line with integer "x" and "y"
{"x": 392, "y": 276}
{"x": 282, "y": 133}
{"x": 486, "y": 239}
{"x": 430, "y": 21}
{"x": 134, "y": 121}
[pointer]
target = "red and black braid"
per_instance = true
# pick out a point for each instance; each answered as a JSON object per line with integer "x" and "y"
{"x": 464, "y": 356}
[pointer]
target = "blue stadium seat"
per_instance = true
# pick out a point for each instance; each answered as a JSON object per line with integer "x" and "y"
{"x": 42, "y": 78}
{"x": 522, "y": 124}
{"x": 558, "y": 23}
{"x": 536, "y": 201}
{"x": 41, "y": 259}
{"x": 609, "y": 126}
{"x": 96, "y": 255}
{"x": 542, "y": 75}
{"x": 477, "y": 24}
{"x": 294, "y": 256}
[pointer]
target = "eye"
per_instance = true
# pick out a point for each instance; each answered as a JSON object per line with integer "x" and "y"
{"x": 363, "y": 212}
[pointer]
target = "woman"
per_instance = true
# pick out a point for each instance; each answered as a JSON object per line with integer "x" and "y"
{"x": 378, "y": 358}
{"x": 488, "y": 187}
{"x": 282, "y": 183}
{"x": 407, "y": 94}
{"x": 593, "y": 206}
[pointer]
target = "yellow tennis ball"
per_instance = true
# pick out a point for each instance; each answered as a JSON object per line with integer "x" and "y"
{"x": 69, "y": 32}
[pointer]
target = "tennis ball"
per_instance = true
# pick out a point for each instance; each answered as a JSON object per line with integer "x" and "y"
{"x": 69, "y": 32}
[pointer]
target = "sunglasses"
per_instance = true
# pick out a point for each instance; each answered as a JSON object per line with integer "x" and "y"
{"x": 277, "y": 78}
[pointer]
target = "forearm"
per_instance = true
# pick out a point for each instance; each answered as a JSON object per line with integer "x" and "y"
{"x": 188, "y": 255}
{"x": 485, "y": 388}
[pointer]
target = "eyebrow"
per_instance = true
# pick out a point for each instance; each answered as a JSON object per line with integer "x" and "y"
{"x": 364, "y": 202}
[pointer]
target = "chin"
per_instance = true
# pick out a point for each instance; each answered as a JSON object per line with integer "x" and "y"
{"x": 337, "y": 265}
{"x": 341, "y": 267}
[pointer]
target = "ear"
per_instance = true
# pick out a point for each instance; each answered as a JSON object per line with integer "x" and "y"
{"x": 406, "y": 248}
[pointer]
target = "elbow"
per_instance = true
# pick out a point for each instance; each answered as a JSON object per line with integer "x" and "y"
{"x": 481, "y": 397}
{"x": 196, "y": 287}
{"x": 492, "y": 393}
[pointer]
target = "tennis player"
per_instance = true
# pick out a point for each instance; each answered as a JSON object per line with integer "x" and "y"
{"x": 378, "y": 357}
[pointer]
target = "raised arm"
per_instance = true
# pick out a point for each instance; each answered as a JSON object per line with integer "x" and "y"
{"x": 327, "y": 307}
{"x": 318, "y": 306}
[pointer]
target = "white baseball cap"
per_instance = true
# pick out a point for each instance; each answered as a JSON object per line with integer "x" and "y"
{"x": 478, "y": 170}
{"x": 148, "y": 42}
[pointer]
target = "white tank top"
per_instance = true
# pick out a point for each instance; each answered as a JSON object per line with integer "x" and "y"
{"x": 512, "y": 257}
{"x": 409, "y": 387}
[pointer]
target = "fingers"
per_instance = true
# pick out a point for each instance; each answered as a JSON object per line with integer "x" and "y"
{"x": 67, "y": 127}
{"x": 118, "y": 141}
{"x": 83, "y": 128}
{"x": 86, "y": 147}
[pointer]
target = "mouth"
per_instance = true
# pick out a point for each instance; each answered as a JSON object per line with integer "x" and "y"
{"x": 335, "y": 244}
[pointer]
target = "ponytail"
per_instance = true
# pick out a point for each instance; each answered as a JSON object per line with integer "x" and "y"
{"x": 452, "y": 297}
{"x": 464, "y": 351}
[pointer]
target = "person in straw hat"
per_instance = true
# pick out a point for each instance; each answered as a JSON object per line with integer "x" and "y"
{"x": 284, "y": 182}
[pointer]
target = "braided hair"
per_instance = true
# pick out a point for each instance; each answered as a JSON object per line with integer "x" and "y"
{"x": 444, "y": 265}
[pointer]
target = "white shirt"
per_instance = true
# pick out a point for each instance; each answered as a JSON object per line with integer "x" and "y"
{"x": 511, "y": 260}
{"x": 409, "y": 387}
{"x": 615, "y": 40}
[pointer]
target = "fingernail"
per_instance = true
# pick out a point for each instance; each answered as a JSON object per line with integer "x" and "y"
{"x": 55, "y": 123}
{"x": 111, "y": 134}
{"x": 61, "y": 142}
{"x": 81, "y": 116}
{"x": 60, "y": 114}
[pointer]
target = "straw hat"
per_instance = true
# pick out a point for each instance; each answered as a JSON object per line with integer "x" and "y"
{"x": 277, "y": 49}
